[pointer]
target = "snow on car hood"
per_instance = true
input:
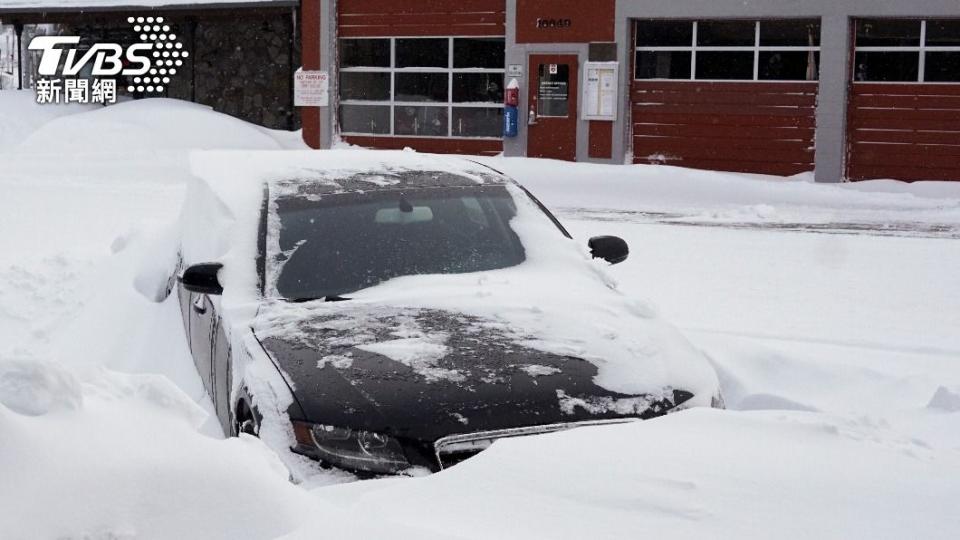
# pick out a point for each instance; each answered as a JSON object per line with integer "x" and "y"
{"x": 426, "y": 373}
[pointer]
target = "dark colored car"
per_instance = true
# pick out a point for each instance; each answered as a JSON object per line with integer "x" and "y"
{"x": 348, "y": 291}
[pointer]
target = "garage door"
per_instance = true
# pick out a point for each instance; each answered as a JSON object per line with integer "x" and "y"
{"x": 904, "y": 113}
{"x": 726, "y": 95}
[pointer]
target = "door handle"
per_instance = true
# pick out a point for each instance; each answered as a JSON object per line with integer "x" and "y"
{"x": 200, "y": 304}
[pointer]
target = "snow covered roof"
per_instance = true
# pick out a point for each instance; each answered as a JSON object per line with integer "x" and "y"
{"x": 27, "y": 6}
{"x": 328, "y": 172}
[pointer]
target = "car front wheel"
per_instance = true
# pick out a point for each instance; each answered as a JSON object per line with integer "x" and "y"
{"x": 248, "y": 419}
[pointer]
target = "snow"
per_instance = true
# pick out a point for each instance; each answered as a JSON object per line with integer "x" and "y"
{"x": 600, "y": 405}
{"x": 536, "y": 370}
{"x": 21, "y": 115}
{"x": 834, "y": 340}
{"x": 664, "y": 193}
{"x": 147, "y": 125}
{"x": 130, "y": 464}
{"x": 420, "y": 354}
{"x": 35, "y": 388}
{"x": 698, "y": 474}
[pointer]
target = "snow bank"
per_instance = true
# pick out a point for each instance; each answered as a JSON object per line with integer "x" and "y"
{"x": 106, "y": 429}
{"x": 667, "y": 191}
{"x": 860, "y": 328}
{"x": 20, "y": 115}
{"x": 697, "y": 474}
{"x": 147, "y": 125}
{"x": 35, "y": 388}
{"x": 929, "y": 189}
{"x": 129, "y": 463}
{"x": 856, "y": 295}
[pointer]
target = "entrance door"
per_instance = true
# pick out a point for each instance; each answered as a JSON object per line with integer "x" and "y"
{"x": 553, "y": 100}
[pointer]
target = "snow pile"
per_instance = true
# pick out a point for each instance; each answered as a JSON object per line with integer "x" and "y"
{"x": 129, "y": 463}
{"x": 20, "y": 115}
{"x": 698, "y": 474}
{"x": 146, "y": 125}
{"x": 107, "y": 430}
{"x": 667, "y": 192}
{"x": 100, "y": 402}
{"x": 35, "y": 388}
{"x": 106, "y": 427}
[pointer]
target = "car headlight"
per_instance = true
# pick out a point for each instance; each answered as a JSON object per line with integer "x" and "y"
{"x": 353, "y": 448}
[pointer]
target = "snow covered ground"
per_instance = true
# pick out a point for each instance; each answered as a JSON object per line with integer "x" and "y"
{"x": 830, "y": 312}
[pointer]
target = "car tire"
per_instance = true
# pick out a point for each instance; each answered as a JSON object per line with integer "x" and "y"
{"x": 248, "y": 418}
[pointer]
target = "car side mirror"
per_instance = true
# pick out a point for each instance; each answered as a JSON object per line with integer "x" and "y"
{"x": 612, "y": 249}
{"x": 202, "y": 278}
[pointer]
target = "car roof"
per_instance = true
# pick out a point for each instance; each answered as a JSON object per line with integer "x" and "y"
{"x": 377, "y": 182}
{"x": 231, "y": 176}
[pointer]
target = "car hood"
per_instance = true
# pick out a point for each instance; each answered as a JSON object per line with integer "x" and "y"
{"x": 427, "y": 373}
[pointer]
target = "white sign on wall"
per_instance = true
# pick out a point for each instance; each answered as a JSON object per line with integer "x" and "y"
{"x": 311, "y": 88}
{"x": 600, "y": 90}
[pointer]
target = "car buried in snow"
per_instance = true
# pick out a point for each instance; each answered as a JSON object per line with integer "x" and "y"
{"x": 382, "y": 312}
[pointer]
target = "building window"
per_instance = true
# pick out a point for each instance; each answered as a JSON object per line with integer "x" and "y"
{"x": 907, "y": 50}
{"x": 422, "y": 87}
{"x": 728, "y": 50}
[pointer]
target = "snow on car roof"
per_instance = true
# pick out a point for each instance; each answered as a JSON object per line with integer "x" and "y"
{"x": 227, "y": 174}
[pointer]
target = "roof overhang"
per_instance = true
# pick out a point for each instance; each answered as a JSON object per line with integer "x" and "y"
{"x": 48, "y": 12}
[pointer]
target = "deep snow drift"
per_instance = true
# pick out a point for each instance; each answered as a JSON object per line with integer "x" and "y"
{"x": 151, "y": 125}
{"x": 20, "y": 115}
{"x": 837, "y": 353}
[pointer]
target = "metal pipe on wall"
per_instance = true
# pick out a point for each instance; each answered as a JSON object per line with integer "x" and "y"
{"x": 18, "y": 29}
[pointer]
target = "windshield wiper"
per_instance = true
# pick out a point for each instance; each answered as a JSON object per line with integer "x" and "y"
{"x": 330, "y": 298}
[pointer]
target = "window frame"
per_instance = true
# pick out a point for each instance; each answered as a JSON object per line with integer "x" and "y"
{"x": 756, "y": 49}
{"x": 922, "y": 49}
{"x": 449, "y": 104}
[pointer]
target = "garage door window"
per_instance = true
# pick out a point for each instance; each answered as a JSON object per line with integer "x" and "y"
{"x": 907, "y": 50}
{"x": 768, "y": 50}
{"x": 422, "y": 87}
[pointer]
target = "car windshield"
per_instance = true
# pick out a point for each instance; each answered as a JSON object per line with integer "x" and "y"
{"x": 346, "y": 242}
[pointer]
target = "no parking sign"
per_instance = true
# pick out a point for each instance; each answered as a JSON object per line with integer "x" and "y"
{"x": 311, "y": 88}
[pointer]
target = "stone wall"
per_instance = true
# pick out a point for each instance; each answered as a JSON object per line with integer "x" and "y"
{"x": 242, "y": 67}
{"x": 240, "y": 63}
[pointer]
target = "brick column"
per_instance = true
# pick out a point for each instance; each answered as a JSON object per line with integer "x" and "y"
{"x": 310, "y": 60}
